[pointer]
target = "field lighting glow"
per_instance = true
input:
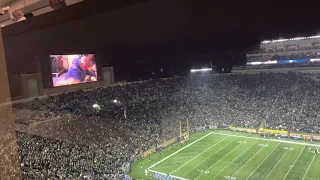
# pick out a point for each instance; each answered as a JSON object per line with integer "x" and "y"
{"x": 291, "y": 39}
{"x": 201, "y": 70}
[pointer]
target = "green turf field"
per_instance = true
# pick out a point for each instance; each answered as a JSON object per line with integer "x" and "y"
{"x": 234, "y": 156}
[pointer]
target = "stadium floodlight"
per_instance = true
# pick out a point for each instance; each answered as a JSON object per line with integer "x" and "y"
{"x": 265, "y": 42}
{"x": 206, "y": 69}
{"x": 201, "y": 70}
{"x": 291, "y": 39}
{"x": 256, "y": 63}
{"x": 270, "y": 62}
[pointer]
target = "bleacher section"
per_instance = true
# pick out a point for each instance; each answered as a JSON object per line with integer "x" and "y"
{"x": 294, "y": 52}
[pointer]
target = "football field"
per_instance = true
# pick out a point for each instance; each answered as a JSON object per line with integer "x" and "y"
{"x": 239, "y": 156}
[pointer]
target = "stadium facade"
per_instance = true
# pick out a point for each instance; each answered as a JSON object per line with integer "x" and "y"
{"x": 302, "y": 50}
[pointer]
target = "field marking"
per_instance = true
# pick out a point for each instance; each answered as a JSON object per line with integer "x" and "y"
{"x": 200, "y": 154}
{"x": 274, "y": 140}
{"x": 248, "y": 160}
{"x": 175, "y": 162}
{"x": 176, "y": 177}
{"x": 177, "y": 151}
{"x": 211, "y": 156}
{"x": 166, "y": 167}
{"x": 182, "y": 157}
{"x": 234, "y": 159}
{"x": 309, "y": 166}
{"x": 263, "y": 161}
{"x": 217, "y": 161}
{"x": 294, "y": 162}
{"x": 277, "y": 163}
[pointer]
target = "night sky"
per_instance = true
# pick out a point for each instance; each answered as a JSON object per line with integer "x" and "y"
{"x": 222, "y": 31}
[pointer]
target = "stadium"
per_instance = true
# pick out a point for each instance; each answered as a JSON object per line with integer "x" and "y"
{"x": 255, "y": 133}
{"x": 70, "y": 107}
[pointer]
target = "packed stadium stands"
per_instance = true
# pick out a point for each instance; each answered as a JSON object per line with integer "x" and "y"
{"x": 137, "y": 116}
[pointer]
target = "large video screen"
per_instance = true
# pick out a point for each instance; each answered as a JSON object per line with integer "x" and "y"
{"x": 73, "y": 69}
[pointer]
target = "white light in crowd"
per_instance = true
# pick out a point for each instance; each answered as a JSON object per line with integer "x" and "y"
{"x": 314, "y": 60}
{"x": 202, "y": 70}
{"x": 96, "y": 107}
{"x": 115, "y": 101}
{"x": 290, "y": 61}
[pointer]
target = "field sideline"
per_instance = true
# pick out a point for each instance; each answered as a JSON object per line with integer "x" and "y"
{"x": 231, "y": 155}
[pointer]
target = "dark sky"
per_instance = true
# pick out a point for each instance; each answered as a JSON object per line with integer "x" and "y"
{"x": 221, "y": 26}
{"x": 195, "y": 31}
{"x": 236, "y": 25}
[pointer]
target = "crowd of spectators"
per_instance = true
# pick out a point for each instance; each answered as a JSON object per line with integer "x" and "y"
{"x": 89, "y": 143}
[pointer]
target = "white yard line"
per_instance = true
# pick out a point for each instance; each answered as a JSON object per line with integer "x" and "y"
{"x": 176, "y": 177}
{"x": 263, "y": 161}
{"x": 235, "y": 159}
{"x": 274, "y": 140}
{"x": 277, "y": 163}
{"x": 215, "y": 162}
{"x": 309, "y": 166}
{"x": 248, "y": 160}
{"x": 180, "y": 158}
{"x": 199, "y": 154}
{"x": 294, "y": 162}
{"x": 177, "y": 151}
{"x": 175, "y": 162}
{"x": 166, "y": 167}
{"x": 211, "y": 156}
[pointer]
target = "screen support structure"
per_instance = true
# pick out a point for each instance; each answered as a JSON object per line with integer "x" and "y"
{"x": 9, "y": 157}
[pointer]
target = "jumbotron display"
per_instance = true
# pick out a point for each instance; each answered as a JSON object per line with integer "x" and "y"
{"x": 73, "y": 69}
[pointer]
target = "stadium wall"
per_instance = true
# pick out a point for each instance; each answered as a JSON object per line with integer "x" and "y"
{"x": 26, "y": 87}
